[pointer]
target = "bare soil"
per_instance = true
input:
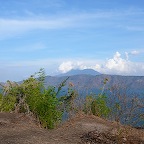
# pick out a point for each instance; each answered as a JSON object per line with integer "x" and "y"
{"x": 83, "y": 129}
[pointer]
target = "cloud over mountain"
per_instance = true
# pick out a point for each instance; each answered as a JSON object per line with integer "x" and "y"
{"x": 116, "y": 65}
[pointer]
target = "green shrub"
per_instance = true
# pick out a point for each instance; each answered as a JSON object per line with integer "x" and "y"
{"x": 99, "y": 106}
{"x": 88, "y": 104}
{"x": 32, "y": 97}
{"x": 1, "y": 97}
{"x": 7, "y": 103}
{"x": 42, "y": 102}
{"x": 44, "y": 106}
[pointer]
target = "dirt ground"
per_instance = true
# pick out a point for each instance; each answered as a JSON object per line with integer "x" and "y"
{"x": 83, "y": 129}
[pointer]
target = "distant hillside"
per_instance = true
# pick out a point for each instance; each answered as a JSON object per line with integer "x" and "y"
{"x": 90, "y": 80}
{"x": 130, "y": 87}
{"x": 92, "y": 83}
{"x": 80, "y": 72}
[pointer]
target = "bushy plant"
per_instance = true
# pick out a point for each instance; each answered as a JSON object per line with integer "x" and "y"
{"x": 97, "y": 104}
{"x": 44, "y": 106}
{"x": 7, "y": 103}
{"x": 88, "y": 104}
{"x": 1, "y": 96}
{"x": 33, "y": 98}
{"x": 43, "y": 102}
{"x": 8, "y": 98}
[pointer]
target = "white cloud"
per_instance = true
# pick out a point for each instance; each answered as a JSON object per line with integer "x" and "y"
{"x": 66, "y": 66}
{"x": 69, "y": 65}
{"x": 127, "y": 55}
{"x": 121, "y": 66}
{"x": 67, "y": 19}
{"x": 115, "y": 65}
{"x": 17, "y": 70}
{"x": 134, "y": 52}
{"x": 11, "y": 26}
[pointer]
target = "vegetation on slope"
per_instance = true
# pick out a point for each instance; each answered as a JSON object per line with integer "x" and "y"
{"x": 32, "y": 98}
{"x": 48, "y": 105}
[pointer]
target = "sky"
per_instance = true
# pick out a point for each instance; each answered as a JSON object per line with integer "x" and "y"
{"x": 60, "y": 35}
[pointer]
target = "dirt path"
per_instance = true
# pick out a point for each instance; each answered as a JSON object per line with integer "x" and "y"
{"x": 20, "y": 129}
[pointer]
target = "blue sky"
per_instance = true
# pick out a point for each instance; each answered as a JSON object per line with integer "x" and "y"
{"x": 60, "y": 35}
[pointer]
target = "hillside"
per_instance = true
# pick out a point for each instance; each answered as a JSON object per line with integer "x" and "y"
{"x": 125, "y": 86}
{"x": 87, "y": 84}
{"x": 91, "y": 82}
{"x": 83, "y": 129}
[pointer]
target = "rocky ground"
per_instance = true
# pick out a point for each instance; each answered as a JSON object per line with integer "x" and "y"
{"x": 21, "y": 129}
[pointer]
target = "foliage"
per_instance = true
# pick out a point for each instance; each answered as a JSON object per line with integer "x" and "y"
{"x": 44, "y": 106}
{"x": 7, "y": 103}
{"x": 33, "y": 98}
{"x": 120, "y": 105}
{"x": 97, "y": 104}
{"x": 88, "y": 104}
{"x": 42, "y": 102}
{"x": 1, "y": 96}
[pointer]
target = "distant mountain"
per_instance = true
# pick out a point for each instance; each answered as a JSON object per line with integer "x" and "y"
{"x": 80, "y": 72}
{"x": 88, "y": 80}
{"x": 92, "y": 83}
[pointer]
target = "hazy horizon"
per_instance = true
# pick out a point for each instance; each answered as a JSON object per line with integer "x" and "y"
{"x": 60, "y": 35}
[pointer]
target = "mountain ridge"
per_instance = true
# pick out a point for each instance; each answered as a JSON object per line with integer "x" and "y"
{"x": 79, "y": 72}
{"x": 96, "y": 82}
